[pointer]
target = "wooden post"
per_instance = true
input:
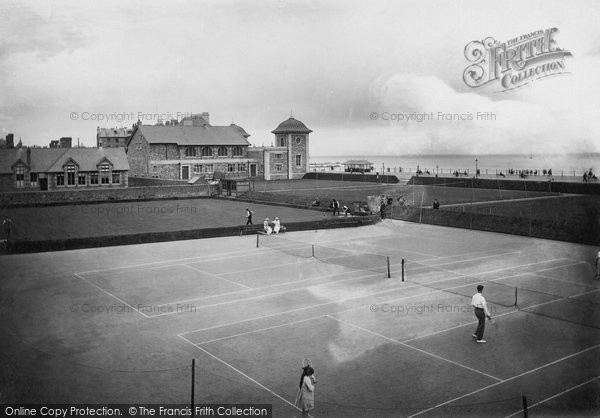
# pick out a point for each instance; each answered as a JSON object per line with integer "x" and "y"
{"x": 402, "y": 269}
{"x": 525, "y": 412}
{"x": 193, "y": 381}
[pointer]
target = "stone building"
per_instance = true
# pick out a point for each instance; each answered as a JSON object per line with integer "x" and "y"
{"x": 112, "y": 137}
{"x": 27, "y": 169}
{"x": 194, "y": 148}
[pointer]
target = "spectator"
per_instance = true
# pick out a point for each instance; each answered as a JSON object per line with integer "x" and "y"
{"x": 248, "y": 216}
{"x": 316, "y": 203}
{"x": 585, "y": 176}
{"x": 276, "y": 225}
{"x": 436, "y": 204}
{"x": 382, "y": 210}
{"x": 267, "y": 227}
{"x": 346, "y": 210}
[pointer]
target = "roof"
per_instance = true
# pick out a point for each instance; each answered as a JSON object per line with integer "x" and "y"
{"x": 357, "y": 162}
{"x": 113, "y": 132}
{"x": 242, "y": 130}
{"x": 52, "y": 160}
{"x": 291, "y": 126}
{"x": 194, "y": 135}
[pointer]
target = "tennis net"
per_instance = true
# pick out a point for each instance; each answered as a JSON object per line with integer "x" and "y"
{"x": 355, "y": 260}
{"x": 552, "y": 298}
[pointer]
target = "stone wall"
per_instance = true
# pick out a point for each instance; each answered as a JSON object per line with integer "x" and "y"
{"x": 102, "y": 195}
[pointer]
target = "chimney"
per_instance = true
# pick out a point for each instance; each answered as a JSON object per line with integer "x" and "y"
{"x": 66, "y": 142}
{"x": 29, "y": 157}
{"x": 206, "y": 117}
{"x": 10, "y": 141}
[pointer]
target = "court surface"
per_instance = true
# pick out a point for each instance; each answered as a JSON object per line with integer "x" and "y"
{"x": 122, "y": 324}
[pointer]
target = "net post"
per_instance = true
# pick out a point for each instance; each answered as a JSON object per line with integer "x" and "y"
{"x": 402, "y": 269}
{"x": 312, "y": 247}
{"x": 257, "y": 238}
{"x": 516, "y": 300}
{"x": 525, "y": 411}
{"x": 193, "y": 382}
{"x": 389, "y": 276}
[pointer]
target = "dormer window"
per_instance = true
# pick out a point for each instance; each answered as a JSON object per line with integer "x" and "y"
{"x": 190, "y": 151}
{"x": 238, "y": 151}
{"x": 20, "y": 175}
{"x": 222, "y": 151}
{"x": 104, "y": 174}
{"x": 71, "y": 175}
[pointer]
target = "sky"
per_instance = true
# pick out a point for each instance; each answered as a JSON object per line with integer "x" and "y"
{"x": 352, "y": 71}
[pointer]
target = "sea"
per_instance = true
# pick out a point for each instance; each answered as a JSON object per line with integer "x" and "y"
{"x": 561, "y": 164}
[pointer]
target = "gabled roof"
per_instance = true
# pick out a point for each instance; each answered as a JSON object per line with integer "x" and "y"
{"x": 52, "y": 160}
{"x": 193, "y": 135}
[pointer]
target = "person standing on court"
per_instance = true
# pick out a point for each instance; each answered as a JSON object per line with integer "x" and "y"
{"x": 598, "y": 266}
{"x": 307, "y": 390}
{"x": 248, "y": 217}
{"x": 336, "y": 207}
{"x": 7, "y": 227}
{"x": 481, "y": 311}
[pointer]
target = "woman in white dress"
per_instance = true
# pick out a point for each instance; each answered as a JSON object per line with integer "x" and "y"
{"x": 307, "y": 390}
{"x": 276, "y": 225}
{"x": 267, "y": 227}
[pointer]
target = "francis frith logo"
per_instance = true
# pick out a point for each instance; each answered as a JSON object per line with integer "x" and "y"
{"x": 516, "y": 62}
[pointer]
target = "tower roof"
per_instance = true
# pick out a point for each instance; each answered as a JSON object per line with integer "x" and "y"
{"x": 291, "y": 126}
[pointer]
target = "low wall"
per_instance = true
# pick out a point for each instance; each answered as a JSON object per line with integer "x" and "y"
{"x": 358, "y": 177}
{"x": 505, "y": 184}
{"x": 562, "y": 230}
{"x": 105, "y": 241}
{"x": 146, "y": 181}
{"x": 22, "y": 199}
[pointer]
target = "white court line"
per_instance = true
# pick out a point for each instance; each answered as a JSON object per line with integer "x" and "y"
{"x": 265, "y": 268}
{"x": 300, "y": 309}
{"x": 519, "y": 412}
{"x": 215, "y": 276}
{"x": 416, "y": 349}
{"x": 212, "y": 257}
{"x": 473, "y": 259}
{"x": 111, "y": 295}
{"x": 505, "y": 380}
{"x": 561, "y": 280}
{"x": 241, "y": 373}
{"x": 459, "y": 255}
{"x": 290, "y": 283}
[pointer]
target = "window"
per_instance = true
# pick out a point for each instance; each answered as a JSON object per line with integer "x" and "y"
{"x": 208, "y": 168}
{"x": 60, "y": 179}
{"x": 281, "y": 141}
{"x": 190, "y": 151}
{"x": 279, "y": 168}
{"x": 197, "y": 168}
{"x": 298, "y": 140}
{"x": 238, "y": 151}
{"x": 298, "y": 160}
{"x": 20, "y": 175}
{"x": 104, "y": 172}
{"x": 222, "y": 151}
{"x": 279, "y": 156}
{"x": 81, "y": 179}
{"x": 241, "y": 167}
{"x": 206, "y": 151}
{"x": 33, "y": 178}
{"x": 231, "y": 168}
{"x": 116, "y": 177}
{"x": 94, "y": 178}
{"x": 71, "y": 175}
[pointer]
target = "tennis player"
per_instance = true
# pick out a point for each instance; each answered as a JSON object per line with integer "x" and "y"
{"x": 481, "y": 311}
{"x": 598, "y": 266}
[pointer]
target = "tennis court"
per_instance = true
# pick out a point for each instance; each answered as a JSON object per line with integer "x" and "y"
{"x": 121, "y": 324}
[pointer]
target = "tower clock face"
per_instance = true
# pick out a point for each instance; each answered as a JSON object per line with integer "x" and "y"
{"x": 298, "y": 140}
